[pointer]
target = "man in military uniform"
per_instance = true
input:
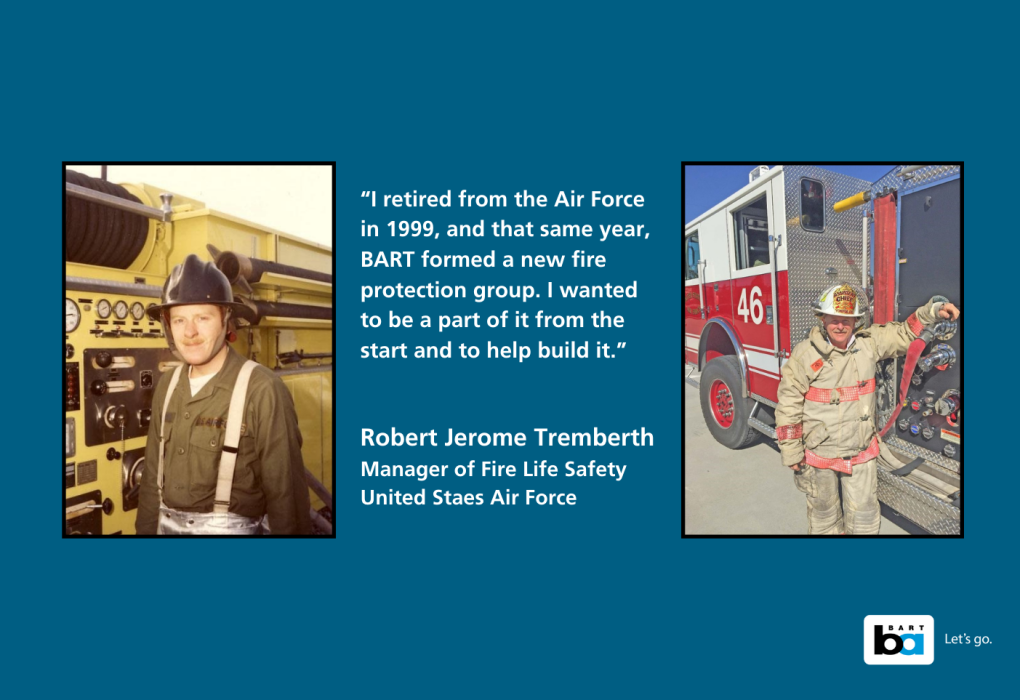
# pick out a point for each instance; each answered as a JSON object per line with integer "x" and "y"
{"x": 825, "y": 419}
{"x": 224, "y": 448}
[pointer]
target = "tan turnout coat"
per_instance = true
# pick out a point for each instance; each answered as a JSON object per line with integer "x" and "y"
{"x": 842, "y": 427}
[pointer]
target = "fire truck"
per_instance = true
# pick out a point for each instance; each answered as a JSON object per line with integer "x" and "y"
{"x": 120, "y": 243}
{"x": 755, "y": 264}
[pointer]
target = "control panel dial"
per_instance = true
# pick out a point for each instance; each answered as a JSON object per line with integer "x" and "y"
{"x": 72, "y": 316}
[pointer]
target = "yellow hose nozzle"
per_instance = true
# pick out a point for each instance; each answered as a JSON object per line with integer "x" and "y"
{"x": 851, "y": 202}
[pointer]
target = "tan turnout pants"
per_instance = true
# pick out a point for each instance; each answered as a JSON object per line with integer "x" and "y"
{"x": 859, "y": 513}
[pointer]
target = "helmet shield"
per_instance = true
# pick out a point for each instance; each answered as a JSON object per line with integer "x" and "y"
{"x": 844, "y": 300}
{"x": 841, "y": 300}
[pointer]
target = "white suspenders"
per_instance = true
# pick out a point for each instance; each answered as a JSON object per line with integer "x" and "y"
{"x": 231, "y": 439}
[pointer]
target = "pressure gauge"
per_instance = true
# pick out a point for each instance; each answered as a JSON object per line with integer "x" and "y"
{"x": 72, "y": 316}
{"x": 137, "y": 310}
{"x": 103, "y": 308}
{"x": 121, "y": 309}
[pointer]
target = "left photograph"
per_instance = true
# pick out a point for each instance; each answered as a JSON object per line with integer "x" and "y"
{"x": 198, "y": 349}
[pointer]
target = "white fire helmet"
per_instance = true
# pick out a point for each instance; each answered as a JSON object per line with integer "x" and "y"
{"x": 840, "y": 300}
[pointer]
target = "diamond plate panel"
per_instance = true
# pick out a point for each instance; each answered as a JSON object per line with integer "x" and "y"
{"x": 917, "y": 505}
{"x": 809, "y": 254}
{"x": 891, "y": 179}
{"x": 925, "y": 176}
{"x": 762, "y": 399}
{"x": 762, "y": 427}
{"x": 936, "y": 458}
{"x": 928, "y": 175}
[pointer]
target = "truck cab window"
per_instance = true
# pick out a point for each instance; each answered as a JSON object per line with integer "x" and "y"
{"x": 692, "y": 256}
{"x": 812, "y": 205}
{"x": 751, "y": 234}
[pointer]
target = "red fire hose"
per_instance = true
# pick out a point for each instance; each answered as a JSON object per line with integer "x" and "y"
{"x": 913, "y": 353}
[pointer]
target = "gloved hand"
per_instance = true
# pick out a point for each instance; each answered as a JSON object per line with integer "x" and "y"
{"x": 949, "y": 311}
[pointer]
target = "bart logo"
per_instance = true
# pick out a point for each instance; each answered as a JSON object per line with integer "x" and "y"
{"x": 899, "y": 639}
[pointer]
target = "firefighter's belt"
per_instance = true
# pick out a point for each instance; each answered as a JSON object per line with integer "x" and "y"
{"x": 843, "y": 393}
{"x": 843, "y": 465}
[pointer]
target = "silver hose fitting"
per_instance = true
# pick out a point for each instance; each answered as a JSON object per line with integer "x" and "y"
{"x": 943, "y": 355}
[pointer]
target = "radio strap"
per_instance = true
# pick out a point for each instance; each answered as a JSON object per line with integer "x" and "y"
{"x": 906, "y": 469}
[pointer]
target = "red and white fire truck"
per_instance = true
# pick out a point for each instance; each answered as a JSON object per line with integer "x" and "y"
{"x": 756, "y": 262}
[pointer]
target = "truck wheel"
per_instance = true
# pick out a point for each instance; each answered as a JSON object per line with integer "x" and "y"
{"x": 725, "y": 410}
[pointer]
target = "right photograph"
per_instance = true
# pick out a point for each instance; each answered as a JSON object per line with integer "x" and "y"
{"x": 823, "y": 354}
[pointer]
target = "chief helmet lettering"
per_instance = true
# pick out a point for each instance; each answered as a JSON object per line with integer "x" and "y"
{"x": 844, "y": 301}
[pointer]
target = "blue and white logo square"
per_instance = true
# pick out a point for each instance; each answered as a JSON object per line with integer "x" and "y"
{"x": 899, "y": 639}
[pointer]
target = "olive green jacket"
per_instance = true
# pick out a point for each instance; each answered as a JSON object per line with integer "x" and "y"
{"x": 269, "y": 476}
{"x": 842, "y": 428}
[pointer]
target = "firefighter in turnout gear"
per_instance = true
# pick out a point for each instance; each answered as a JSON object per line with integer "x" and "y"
{"x": 825, "y": 419}
{"x": 224, "y": 449}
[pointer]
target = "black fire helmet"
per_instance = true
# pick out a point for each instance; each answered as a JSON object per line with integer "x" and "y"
{"x": 197, "y": 282}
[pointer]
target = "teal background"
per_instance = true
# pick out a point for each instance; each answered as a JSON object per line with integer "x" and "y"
{"x": 604, "y": 599}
